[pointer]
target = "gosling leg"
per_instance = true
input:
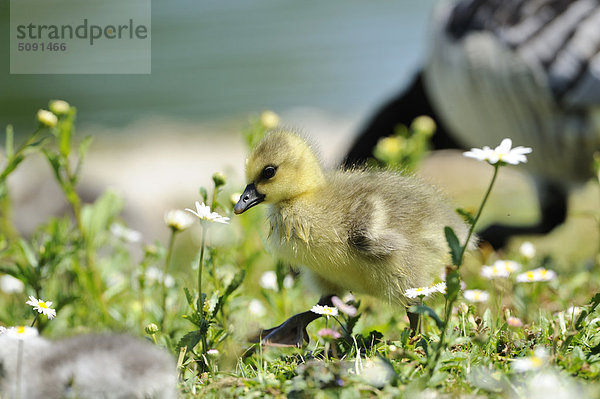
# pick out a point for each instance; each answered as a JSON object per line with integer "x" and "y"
{"x": 291, "y": 332}
{"x": 413, "y": 319}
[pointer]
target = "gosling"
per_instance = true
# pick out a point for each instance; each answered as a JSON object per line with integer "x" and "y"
{"x": 372, "y": 232}
{"x": 91, "y": 366}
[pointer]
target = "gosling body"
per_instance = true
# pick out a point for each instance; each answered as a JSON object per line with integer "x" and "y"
{"x": 371, "y": 232}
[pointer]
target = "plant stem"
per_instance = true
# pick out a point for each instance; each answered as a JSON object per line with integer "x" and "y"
{"x": 200, "y": 300}
{"x": 450, "y": 304}
{"x": 201, "y": 265}
{"x": 165, "y": 272}
{"x": 35, "y": 319}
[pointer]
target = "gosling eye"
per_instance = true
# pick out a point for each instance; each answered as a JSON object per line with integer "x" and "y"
{"x": 268, "y": 172}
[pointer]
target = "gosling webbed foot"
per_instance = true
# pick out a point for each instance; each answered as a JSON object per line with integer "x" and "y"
{"x": 291, "y": 332}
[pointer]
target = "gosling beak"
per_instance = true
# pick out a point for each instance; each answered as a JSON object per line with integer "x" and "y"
{"x": 249, "y": 198}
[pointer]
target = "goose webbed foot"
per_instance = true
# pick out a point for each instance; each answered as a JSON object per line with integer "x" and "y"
{"x": 291, "y": 332}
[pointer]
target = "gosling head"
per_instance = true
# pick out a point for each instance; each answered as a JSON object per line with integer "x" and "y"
{"x": 280, "y": 168}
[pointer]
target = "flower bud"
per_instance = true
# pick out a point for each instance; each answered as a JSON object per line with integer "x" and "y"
{"x": 59, "y": 107}
{"x": 219, "y": 179}
{"x": 151, "y": 329}
{"x": 47, "y": 118}
{"x": 424, "y": 124}
{"x": 269, "y": 119}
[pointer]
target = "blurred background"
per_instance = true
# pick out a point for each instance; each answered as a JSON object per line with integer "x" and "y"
{"x": 324, "y": 67}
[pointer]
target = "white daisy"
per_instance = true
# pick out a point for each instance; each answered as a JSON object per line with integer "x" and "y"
{"x": 419, "y": 292}
{"x": 10, "y": 285}
{"x": 439, "y": 287}
{"x": 324, "y": 310}
{"x": 343, "y": 306}
{"x": 212, "y": 352}
{"x": 125, "y": 233}
{"x": 491, "y": 272}
{"x": 533, "y": 362}
{"x": 256, "y": 308}
{"x": 539, "y": 274}
{"x": 268, "y": 280}
{"x": 204, "y": 213}
{"x": 514, "y": 321}
{"x": 42, "y": 307}
{"x": 21, "y": 332}
{"x": 178, "y": 220}
{"x": 502, "y": 154}
{"x": 527, "y": 250}
{"x": 476, "y": 295}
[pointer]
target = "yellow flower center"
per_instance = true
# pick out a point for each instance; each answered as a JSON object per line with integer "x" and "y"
{"x": 536, "y": 362}
{"x": 530, "y": 275}
{"x": 42, "y": 304}
{"x": 21, "y": 329}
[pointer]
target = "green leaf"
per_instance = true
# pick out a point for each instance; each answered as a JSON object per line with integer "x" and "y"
{"x": 9, "y": 144}
{"x": 426, "y": 310}
{"x": 190, "y": 298}
{"x": 466, "y": 215}
{"x": 213, "y": 304}
{"x": 454, "y": 244}
{"x": 27, "y": 251}
{"x": 191, "y": 339}
{"x": 236, "y": 281}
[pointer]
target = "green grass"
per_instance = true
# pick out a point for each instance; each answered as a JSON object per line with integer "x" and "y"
{"x": 99, "y": 281}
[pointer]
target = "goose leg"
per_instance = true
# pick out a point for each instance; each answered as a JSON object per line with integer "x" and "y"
{"x": 291, "y": 332}
{"x": 553, "y": 202}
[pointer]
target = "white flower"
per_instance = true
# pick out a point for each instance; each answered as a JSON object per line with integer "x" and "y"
{"x": 42, "y": 307}
{"x": 204, "y": 214}
{"x": 21, "y": 332}
{"x": 47, "y": 118}
{"x": 324, "y": 310}
{"x": 571, "y": 313}
{"x": 256, "y": 308}
{"x": 2, "y": 330}
{"x": 491, "y": 272}
{"x": 533, "y": 362}
{"x": 288, "y": 281}
{"x": 509, "y": 265}
{"x": 527, "y": 249}
{"x": 439, "y": 287}
{"x": 514, "y": 321}
{"x": 124, "y": 233}
{"x": 268, "y": 280}
{"x": 539, "y": 274}
{"x": 328, "y": 333}
{"x": 9, "y": 284}
{"x": 500, "y": 268}
{"x": 178, "y": 220}
{"x": 476, "y": 295}
{"x": 153, "y": 274}
{"x": 418, "y": 292}
{"x": 343, "y": 306}
{"x": 269, "y": 119}
{"x": 501, "y": 154}
{"x": 212, "y": 352}
{"x": 59, "y": 107}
